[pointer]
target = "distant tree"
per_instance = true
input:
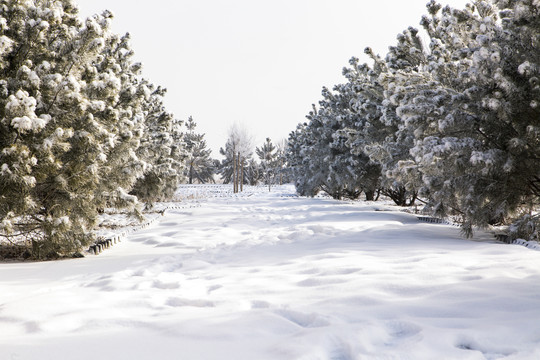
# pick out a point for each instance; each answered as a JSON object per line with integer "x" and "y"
{"x": 283, "y": 171}
{"x": 269, "y": 162}
{"x": 237, "y": 152}
{"x": 253, "y": 172}
{"x": 199, "y": 165}
{"x": 323, "y": 154}
{"x": 302, "y": 161}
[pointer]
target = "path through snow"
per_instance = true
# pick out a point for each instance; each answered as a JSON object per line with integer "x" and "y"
{"x": 272, "y": 277}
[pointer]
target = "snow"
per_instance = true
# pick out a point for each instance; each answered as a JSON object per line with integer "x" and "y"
{"x": 5, "y": 42}
{"x": 268, "y": 275}
{"x": 23, "y": 104}
{"x": 525, "y": 68}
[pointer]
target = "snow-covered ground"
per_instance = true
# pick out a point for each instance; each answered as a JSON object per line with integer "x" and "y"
{"x": 273, "y": 276}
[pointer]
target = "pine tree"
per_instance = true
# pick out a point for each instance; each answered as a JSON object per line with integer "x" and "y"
{"x": 477, "y": 148}
{"x": 121, "y": 114}
{"x": 467, "y": 110}
{"x": 379, "y": 133}
{"x": 283, "y": 171}
{"x": 328, "y": 157}
{"x": 253, "y": 172}
{"x": 269, "y": 162}
{"x": 162, "y": 149}
{"x": 199, "y": 164}
{"x": 49, "y": 146}
{"x": 72, "y": 110}
{"x": 350, "y": 167}
{"x": 298, "y": 157}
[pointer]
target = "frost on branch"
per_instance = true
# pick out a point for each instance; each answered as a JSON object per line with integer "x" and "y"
{"x": 21, "y": 108}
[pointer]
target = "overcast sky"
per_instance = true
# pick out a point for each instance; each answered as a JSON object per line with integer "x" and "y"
{"x": 257, "y": 63}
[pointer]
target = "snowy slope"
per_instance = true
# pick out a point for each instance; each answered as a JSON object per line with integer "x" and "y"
{"x": 271, "y": 277}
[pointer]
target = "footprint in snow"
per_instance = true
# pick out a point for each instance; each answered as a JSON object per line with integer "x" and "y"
{"x": 340, "y": 351}
{"x": 343, "y": 271}
{"x": 171, "y": 233}
{"x": 213, "y": 288}
{"x": 180, "y": 302}
{"x": 489, "y": 352}
{"x": 260, "y": 304}
{"x": 32, "y": 327}
{"x": 315, "y": 281}
{"x": 302, "y": 319}
{"x": 402, "y": 330}
{"x": 157, "y": 284}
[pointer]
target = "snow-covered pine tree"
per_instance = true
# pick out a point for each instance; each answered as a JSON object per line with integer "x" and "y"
{"x": 435, "y": 104}
{"x": 382, "y": 133}
{"x": 253, "y": 172}
{"x": 478, "y": 147}
{"x": 226, "y": 168}
{"x": 353, "y": 135}
{"x": 113, "y": 84}
{"x": 267, "y": 154}
{"x": 350, "y": 166}
{"x": 313, "y": 147}
{"x": 162, "y": 149}
{"x": 71, "y": 108}
{"x": 299, "y": 160}
{"x": 283, "y": 171}
{"x": 49, "y": 148}
{"x": 366, "y": 128}
{"x": 520, "y": 43}
{"x": 330, "y": 156}
{"x": 199, "y": 164}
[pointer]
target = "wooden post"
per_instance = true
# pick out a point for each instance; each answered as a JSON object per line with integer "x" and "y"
{"x": 234, "y": 173}
{"x": 281, "y": 171}
{"x": 238, "y": 171}
{"x": 242, "y": 176}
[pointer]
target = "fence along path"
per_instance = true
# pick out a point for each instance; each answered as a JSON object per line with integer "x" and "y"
{"x": 194, "y": 193}
{"x": 187, "y": 197}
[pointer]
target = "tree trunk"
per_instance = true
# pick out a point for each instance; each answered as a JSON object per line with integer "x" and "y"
{"x": 370, "y": 195}
{"x": 400, "y": 196}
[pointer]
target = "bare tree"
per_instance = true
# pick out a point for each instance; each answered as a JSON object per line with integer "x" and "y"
{"x": 238, "y": 150}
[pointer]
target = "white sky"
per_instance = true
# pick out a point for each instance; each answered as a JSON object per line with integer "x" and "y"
{"x": 257, "y": 63}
